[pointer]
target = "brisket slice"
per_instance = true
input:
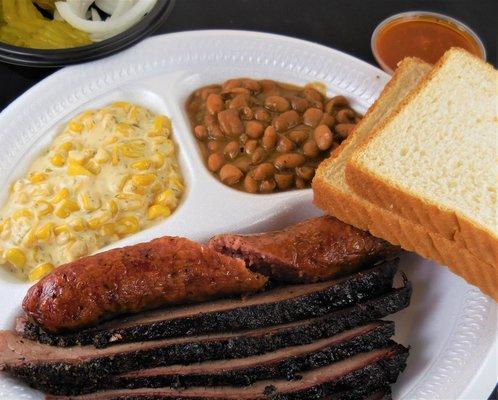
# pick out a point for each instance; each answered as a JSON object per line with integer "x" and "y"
{"x": 286, "y": 363}
{"x": 313, "y": 250}
{"x": 41, "y": 365}
{"x": 278, "y": 306}
{"x": 378, "y": 367}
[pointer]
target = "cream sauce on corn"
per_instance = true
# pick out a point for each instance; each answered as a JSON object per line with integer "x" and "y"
{"x": 110, "y": 173}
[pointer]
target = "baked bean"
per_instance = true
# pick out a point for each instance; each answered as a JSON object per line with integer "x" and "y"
{"x": 230, "y": 93}
{"x": 298, "y": 136}
{"x": 328, "y": 120}
{"x": 247, "y": 113}
{"x": 215, "y": 162}
{"x": 307, "y": 173}
{"x": 284, "y": 181}
{"x": 344, "y": 116}
{"x": 269, "y": 138}
{"x": 343, "y": 130}
{"x": 298, "y": 103}
{"x": 300, "y": 183}
{"x": 210, "y": 121}
{"x": 258, "y": 156}
{"x": 215, "y": 132}
{"x": 243, "y": 138}
{"x": 286, "y": 120}
{"x": 232, "y": 149}
{"x": 312, "y": 117}
{"x": 244, "y": 164}
{"x": 268, "y": 86}
{"x": 250, "y": 184}
{"x": 289, "y": 160}
{"x": 323, "y": 137}
{"x": 254, "y": 129}
{"x": 310, "y": 149}
{"x": 277, "y": 103}
{"x": 267, "y": 186}
{"x": 312, "y": 95}
{"x": 230, "y": 174}
{"x": 336, "y": 102}
{"x": 213, "y": 145}
{"x": 262, "y": 115}
{"x": 316, "y": 104}
{"x": 214, "y": 103}
{"x": 252, "y": 85}
{"x": 231, "y": 83}
{"x": 263, "y": 171}
{"x": 251, "y": 146}
{"x": 230, "y": 122}
{"x": 200, "y": 132}
{"x": 205, "y": 92}
{"x": 240, "y": 101}
{"x": 285, "y": 145}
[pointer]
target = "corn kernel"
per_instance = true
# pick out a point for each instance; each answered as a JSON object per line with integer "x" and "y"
{"x": 127, "y": 225}
{"x": 123, "y": 129}
{"x": 40, "y": 271}
{"x": 158, "y": 160}
{"x": 166, "y": 197}
{"x": 58, "y": 160}
{"x": 66, "y": 146}
{"x": 89, "y": 203}
{"x": 43, "y": 207}
{"x": 133, "y": 149}
{"x": 78, "y": 225}
{"x": 93, "y": 167}
{"x": 143, "y": 179}
{"x": 75, "y": 127}
{"x": 61, "y": 195}
{"x": 66, "y": 208}
{"x": 44, "y": 232}
{"x": 16, "y": 257}
{"x": 23, "y": 213}
{"x": 107, "y": 229}
{"x": 161, "y": 126}
{"x": 176, "y": 182}
{"x": 29, "y": 239}
{"x": 101, "y": 156}
{"x": 37, "y": 177}
{"x": 115, "y": 155}
{"x": 141, "y": 165}
{"x": 99, "y": 220}
{"x": 113, "y": 207}
{"x": 111, "y": 140}
{"x": 158, "y": 210}
{"x": 62, "y": 229}
{"x": 76, "y": 169}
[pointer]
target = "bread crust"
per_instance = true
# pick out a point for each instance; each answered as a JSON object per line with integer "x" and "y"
{"x": 479, "y": 241}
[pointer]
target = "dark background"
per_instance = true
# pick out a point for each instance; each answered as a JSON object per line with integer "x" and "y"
{"x": 342, "y": 24}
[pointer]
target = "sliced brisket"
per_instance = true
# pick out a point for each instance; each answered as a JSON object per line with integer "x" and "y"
{"x": 364, "y": 370}
{"x": 274, "y": 307}
{"x": 165, "y": 271}
{"x": 313, "y": 250}
{"x": 44, "y": 366}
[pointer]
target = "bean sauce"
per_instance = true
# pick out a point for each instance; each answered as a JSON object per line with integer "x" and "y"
{"x": 266, "y": 136}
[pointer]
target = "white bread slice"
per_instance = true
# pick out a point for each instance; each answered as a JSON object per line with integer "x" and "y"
{"x": 434, "y": 161}
{"x": 333, "y": 195}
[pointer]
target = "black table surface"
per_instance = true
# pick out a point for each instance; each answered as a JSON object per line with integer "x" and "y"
{"x": 345, "y": 25}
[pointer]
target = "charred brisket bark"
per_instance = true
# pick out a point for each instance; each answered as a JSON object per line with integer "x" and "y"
{"x": 90, "y": 366}
{"x": 278, "y": 306}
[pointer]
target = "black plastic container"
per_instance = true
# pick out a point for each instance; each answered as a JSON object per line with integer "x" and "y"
{"x": 60, "y": 57}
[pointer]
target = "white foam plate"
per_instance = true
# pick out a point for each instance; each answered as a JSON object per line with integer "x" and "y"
{"x": 450, "y": 325}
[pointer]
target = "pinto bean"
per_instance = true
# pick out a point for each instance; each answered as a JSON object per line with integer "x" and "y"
{"x": 312, "y": 95}
{"x": 343, "y": 130}
{"x": 206, "y": 91}
{"x": 277, "y": 103}
{"x": 298, "y": 136}
{"x": 251, "y": 146}
{"x": 251, "y": 84}
{"x": 239, "y": 101}
{"x": 289, "y": 160}
{"x": 306, "y": 173}
{"x": 336, "y": 102}
{"x": 214, "y": 145}
{"x": 267, "y": 186}
{"x": 312, "y": 117}
{"x": 328, "y": 120}
{"x": 286, "y": 121}
{"x": 262, "y": 115}
{"x": 263, "y": 171}
{"x": 230, "y": 174}
{"x": 214, "y": 103}
{"x": 244, "y": 164}
{"x": 298, "y": 103}
{"x": 300, "y": 183}
{"x": 232, "y": 149}
{"x": 284, "y": 181}
{"x": 285, "y": 145}
{"x": 257, "y": 156}
{"x": 345, "y": 115}
{"x": 247, "y": 113}
{"x": 230, "y": 122}
{"x": 250, "y": 184}
{"x": 254, "y": 129}
{"x": 268, "y": 86}
{"x": 200, "y": 132}
{"x": 323, "y": 137}
{"x": 215, "y": 162}
{"x": 269, "y": 138}
{"x": 310, "y": 149}
{"x": 231, "y": 83}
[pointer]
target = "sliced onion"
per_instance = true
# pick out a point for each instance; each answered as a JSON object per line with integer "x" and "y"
{"x": 95, "y": 15}
{"x": 108, "y": 6}
{"x": 111, "y": 26}
{"x": 80, "y": 7}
